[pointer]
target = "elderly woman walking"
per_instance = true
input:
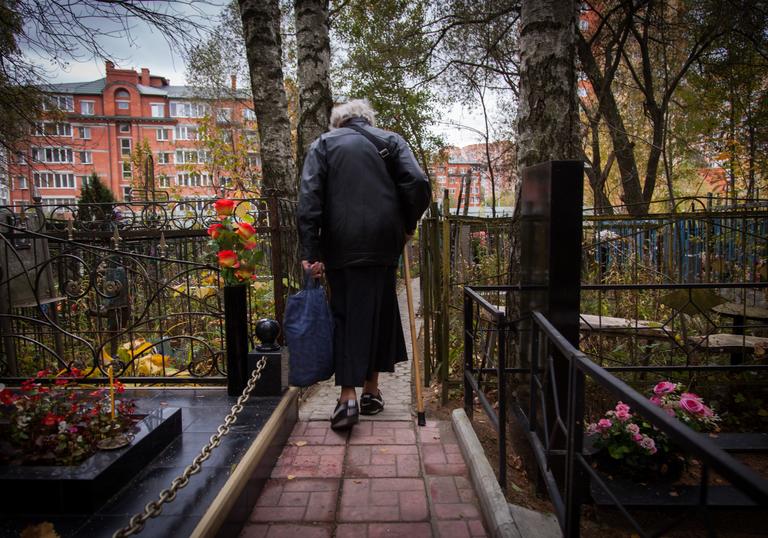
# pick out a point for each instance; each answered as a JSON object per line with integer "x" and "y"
{"x": 359, "y": 203}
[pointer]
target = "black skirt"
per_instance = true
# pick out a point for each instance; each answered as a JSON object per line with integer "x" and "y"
{"x": 368, "y": 335}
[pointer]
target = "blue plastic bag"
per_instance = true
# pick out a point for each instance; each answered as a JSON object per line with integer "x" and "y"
{"x": 308, "y": 330}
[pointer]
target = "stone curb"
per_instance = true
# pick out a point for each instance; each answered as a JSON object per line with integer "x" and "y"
{"x": 504, "y": 520}
{"x": 492, "y": 501}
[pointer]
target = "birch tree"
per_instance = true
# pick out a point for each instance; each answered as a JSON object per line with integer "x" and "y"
{"x": 261, "y": 30}
{"x": 314, "y": 58}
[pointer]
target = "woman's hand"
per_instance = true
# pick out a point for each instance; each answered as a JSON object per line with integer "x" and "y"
{"x": 317, "y": 268}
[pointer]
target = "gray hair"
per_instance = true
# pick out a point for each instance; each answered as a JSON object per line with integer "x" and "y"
{"x": 357, "y": 108}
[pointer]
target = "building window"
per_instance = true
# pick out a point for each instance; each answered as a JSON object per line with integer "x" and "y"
{"x": 254, "y": 159}
{"x": 84, "y": 133}
{"x": 86, "y": 157}
{"x": 65, "y": 103}
{"x": 191, "y": 156}
{"x": 127, "y": 192}
{"x": 21, "y": 182}
{"x": 164, "y": 180}
{"x": 249, "y": 115}
{"x": 124, "y": 127}
{"x": 122, "y": 100}
{"x": 192, "y": 179}
{"x": 163, "y": 134}
{"x": 225, "y": 181}
{"x": 182, "y": 109}
{"x": 52, "y": 129}
{"x": 52, "y": 155}
{"x": 21, "y": 158}
{"x": 125, "y": 147}
{"x": 86, "y": 108}
{"x": 127, "y": 170}
{"x": 224, "y": 115}
{"x": 158, "y": 110}
{"x": 163, "y": 158}
{"x": 185, "y": 132}
{"x": 54, "y": 180}
{"x": 85, "y": 181}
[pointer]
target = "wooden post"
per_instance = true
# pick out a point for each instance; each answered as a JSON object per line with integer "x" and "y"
{"x": 446, "y": 297}
{"x": 425, "y": 238}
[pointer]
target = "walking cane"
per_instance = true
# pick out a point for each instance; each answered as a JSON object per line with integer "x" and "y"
{"x": 414, "y": 344}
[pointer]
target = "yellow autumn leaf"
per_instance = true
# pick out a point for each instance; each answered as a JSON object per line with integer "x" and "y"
{"x": 203, "y": 292}
{"x": 301, "y": 443}
{"x": 291, "y": 477}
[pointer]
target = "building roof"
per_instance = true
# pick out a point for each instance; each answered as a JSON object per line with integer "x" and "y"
{"x": 94, "y": 87}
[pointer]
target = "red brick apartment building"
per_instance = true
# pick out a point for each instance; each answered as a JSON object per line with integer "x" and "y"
{"x": 94, "y": 126}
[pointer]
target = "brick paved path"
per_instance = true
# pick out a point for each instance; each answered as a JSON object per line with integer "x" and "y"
{"x": 388, "y": 477}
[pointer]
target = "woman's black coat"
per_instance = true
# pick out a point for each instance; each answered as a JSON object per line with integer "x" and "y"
{"x": 351, "y": 212}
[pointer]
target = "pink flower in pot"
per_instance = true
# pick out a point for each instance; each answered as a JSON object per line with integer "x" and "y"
{"x": 692, "y": 403}
{"x": 664, "y": 387}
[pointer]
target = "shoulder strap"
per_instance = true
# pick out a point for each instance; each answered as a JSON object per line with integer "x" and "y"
{"x": 381, "y": 146}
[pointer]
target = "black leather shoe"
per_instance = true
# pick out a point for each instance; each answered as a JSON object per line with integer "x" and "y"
{"x": 345, "y": 415}
{"x": 370, "y": 404}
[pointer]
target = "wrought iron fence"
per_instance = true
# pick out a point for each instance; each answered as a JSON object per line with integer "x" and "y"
{"x": 551, "y": 408}
{"x": 129, "y": 284}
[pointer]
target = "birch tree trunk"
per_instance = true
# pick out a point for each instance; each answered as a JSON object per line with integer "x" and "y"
{"x": 261, "y": 29}
{"x": 314, "y": 59}
{"x": 548, "y": 114}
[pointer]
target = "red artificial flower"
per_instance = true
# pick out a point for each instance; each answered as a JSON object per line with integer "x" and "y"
{"x": 76, "y": 372}
{"x": 250, "y": 244}
{"x": 119, "y": 387}
{"x": 50, "y": 419}
{"x": 96, "y": 393}
{"x": 7, "y": 397}
{"x": 43, "y": 373}
{"x": 243, "y": 273}
{"x": 245, "y": 230}
{"x": 28, "y": 385}
{"x": 227, "y": 258}
{"x": 214, "y": 230}
{"x": 60, "y": 382}
{"x": 224, "y": 207}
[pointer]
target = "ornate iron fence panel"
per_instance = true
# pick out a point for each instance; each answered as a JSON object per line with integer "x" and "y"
{"x": 134, "y": 285}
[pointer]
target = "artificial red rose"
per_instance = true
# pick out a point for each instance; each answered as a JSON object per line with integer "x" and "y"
{"x": 245, "y": 230}
{"x": 51, "y": 420}
{"x": 43, "y": 373}
{"x": 227, "y": 258}
{"x": 7, "y": 397}
{"x": 214, "y": 230}
{"x": 119, "y": 387}
{"x": 243, "y": 273}
{"x": 224, "y": 207}
{"x": 60, "y": 382}
{"x": 249, "y": 245}
{"x": 76, "y": 372}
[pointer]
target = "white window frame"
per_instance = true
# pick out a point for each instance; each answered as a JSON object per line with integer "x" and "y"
{"x": 59, "y": 129}
{"x": 164, "y": 181}
{"x": 224, "y": 115}
{"x": 127, "y": 170}
{"x": 54, "y": 180}
{"x": 86, "y": 157}
{"x": 185, "y": 131}
{"x": 123, "y": 148}
{"x": 164, "y": 157}
{"x": 22, "y": 182}
{"x": 153, "y": 107}
{"x": 123, "y": 127}
{"x": 55, "y": 102}
{"x": 248, "y": 114}
{"x": 163, "y": 134}
{"x": 53, "y": 154}
{"x": 87, "y": 108}
{"x": 85, "y": 133}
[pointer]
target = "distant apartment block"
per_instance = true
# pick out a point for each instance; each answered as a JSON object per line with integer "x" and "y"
{"x": 93, "y": 127}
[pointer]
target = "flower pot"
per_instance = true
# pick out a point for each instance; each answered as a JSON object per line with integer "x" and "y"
{"x": 236, "y": 337}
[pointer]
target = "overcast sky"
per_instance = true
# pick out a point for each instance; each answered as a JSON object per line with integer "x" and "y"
{"x": 148, "y": 48}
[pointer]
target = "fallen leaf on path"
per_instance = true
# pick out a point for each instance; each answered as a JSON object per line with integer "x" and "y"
{"x": 301, "y": 443}
{"x": 291, "y": 476}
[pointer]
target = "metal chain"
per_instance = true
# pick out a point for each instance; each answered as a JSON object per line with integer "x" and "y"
{"x": 155, "y": 508}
